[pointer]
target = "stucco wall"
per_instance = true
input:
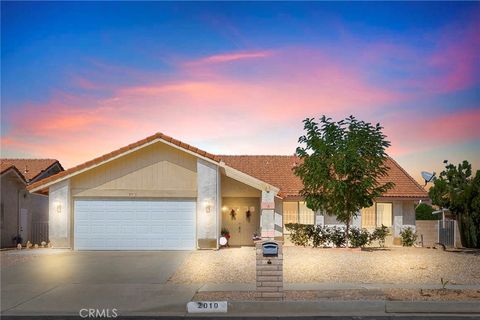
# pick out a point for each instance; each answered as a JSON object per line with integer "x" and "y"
{"x": 15, "y": 198}
{"x": 234, "y": 188}
{"x": 10, "y": 185}
{"x": 60, "y": 214}
{"x": 157, "y": 170}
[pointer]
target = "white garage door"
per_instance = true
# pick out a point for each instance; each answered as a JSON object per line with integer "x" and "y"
{"x": 134, "y": 225}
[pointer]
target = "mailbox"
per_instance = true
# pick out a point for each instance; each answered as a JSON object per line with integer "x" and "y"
{"x": 270, "y": 249}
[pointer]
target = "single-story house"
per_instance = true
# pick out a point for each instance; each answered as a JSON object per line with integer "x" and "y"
{"x": 162, "y": 194}
{"x": 24, "y": 215}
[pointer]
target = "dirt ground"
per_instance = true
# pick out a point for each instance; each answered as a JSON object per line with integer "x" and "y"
{"x": 395, "y": 265}
{"x": 384, "y": 294}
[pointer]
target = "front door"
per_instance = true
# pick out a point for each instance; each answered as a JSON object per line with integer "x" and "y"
{"x": 241, "y": 217}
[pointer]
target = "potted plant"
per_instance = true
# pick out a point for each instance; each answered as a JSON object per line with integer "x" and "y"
{"x": 224, "y": 234}
{"x": 18, "y": 239}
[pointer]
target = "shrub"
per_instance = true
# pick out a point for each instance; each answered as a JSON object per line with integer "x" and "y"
{"x": 380, "y": 233}
{"x": 358, "y": 237}
{"x": 321, "y": 236}
{"x": 299, "y": 233}
{"x": 337, "y": 236}
{"x": 408, "y": 237}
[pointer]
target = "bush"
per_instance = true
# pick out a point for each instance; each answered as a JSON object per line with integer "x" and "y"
{"x": 299, "y": 233}
{"x": 337, "y": 237}
{"x": 380, "y": 233}
{"x": 408, "y": 237}
{"x": 358, "y": 237}
{"x": 321, "y": 236}
{"x": 318, "y": 236}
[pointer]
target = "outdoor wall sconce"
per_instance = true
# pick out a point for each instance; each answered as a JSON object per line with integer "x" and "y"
{"x": 208, "y": 205}
{"x": 58, "y": 206}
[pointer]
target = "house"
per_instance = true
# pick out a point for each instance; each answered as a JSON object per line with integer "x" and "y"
{"x": 162, "y": 194}
{"x": 23, "y": 214}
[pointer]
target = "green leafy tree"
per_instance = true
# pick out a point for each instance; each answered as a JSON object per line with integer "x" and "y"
{"x": 425, "y": 212}
{"x": 341, "y": 166}
{"x": 459, "y": 191}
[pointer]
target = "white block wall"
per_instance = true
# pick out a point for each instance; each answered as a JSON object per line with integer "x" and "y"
{"x": 208, "y": 196}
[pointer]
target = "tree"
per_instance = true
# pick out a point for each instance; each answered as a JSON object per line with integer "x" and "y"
{"x": 425, "y": 212}
{"x": 457, "y": 190}
{"x": 341, "y": 166}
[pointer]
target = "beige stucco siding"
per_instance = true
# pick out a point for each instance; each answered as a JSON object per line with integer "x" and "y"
{"x": 154, "y": 171}
{"x": 233, "y": 188}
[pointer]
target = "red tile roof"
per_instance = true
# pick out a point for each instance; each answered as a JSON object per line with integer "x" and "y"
{"x": 274, "y": 170}
{"x": 117, "y": 152}
{"x": 278, "y": 171}
{"x": 29, "y": 169}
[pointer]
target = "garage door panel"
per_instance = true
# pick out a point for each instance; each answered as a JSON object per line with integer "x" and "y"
{"x": 134, "y": 225}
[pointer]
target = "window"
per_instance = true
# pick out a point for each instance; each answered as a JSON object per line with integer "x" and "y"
{"x": 384, "y": 214}
{"x": 290, "y": 212}
{"x": 305, "y": 215}
{"x": 297, "y": 212}
{"x": 368, "y": 217}
{"x": 376, "y": 215}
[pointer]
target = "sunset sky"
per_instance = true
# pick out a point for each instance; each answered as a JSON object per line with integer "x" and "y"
{"x": 81, "y": 79}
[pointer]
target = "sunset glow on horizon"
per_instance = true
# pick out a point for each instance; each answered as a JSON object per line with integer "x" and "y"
{"x": 82, "y": 79}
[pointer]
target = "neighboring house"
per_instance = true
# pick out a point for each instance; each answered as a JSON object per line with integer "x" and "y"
{"x": 23, "y": 214}
{"x": 162, "y": 194}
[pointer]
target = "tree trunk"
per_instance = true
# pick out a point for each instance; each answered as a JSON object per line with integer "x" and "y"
{"x": 347, "y": 231}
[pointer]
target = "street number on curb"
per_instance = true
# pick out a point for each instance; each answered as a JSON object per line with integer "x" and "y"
{"x": 206, "y": 306}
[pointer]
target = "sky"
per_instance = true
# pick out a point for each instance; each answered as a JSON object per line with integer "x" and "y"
{"x": 79, "y": 80}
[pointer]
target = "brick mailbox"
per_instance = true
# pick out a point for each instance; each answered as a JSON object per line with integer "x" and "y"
{"x": 269, "y": 276}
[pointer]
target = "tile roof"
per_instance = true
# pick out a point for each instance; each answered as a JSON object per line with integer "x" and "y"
{"x": 272, "y": 169}
{"x": 29, "y": 169}
{"x": 278, "y": 171}
{"x": 117, "y": 152}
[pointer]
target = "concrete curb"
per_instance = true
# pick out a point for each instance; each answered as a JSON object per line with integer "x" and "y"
{"x": 432, "y": 307}
{"x": 351, "y": 307}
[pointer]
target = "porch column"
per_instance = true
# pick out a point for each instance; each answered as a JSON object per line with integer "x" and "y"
{"x": 59, "y": 215}
{"x": 208, "y": 204}
{"x": 267, "y": 217}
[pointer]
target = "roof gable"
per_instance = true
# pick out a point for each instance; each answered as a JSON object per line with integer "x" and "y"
{"x": 157, "y": 137}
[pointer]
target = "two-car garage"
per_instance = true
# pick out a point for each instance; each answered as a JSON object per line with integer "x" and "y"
{"x": 134, "y": 224}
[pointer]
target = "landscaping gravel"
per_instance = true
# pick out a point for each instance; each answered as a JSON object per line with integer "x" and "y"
{"x": 302, "y": 265}
{"x": 385, "y": 294}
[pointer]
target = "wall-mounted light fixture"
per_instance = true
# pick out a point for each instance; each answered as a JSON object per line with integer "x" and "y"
{"x": 58, "y": 206}
{"x": 207, "y": 203}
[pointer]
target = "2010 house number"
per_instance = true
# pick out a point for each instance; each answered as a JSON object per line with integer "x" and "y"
{"x": 206, "y": 306}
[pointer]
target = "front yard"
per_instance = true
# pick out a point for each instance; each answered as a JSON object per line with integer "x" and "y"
{"x": 394, "y": 265}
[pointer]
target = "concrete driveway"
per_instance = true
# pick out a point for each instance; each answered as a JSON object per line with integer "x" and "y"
{"x": 53, "y": 282}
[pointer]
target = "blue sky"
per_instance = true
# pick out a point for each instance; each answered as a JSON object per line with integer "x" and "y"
{"x": 124, "y": 70}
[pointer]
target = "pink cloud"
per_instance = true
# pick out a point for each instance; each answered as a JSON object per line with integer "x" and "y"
{"x": 411, "y": 133}
{"x": 197, "y": 107}
{"x": 221, "y": 108}
{"x": 231, "y": 57}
